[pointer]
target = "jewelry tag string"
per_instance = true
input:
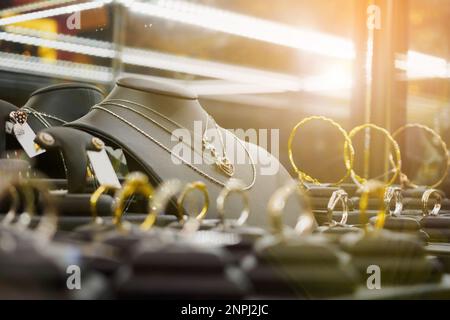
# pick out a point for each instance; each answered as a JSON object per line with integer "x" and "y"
{"x": 368, "y": 189}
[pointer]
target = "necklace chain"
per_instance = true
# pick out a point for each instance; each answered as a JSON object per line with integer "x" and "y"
{"x": 99, "y": 107}
{"x": 222, "y": 162}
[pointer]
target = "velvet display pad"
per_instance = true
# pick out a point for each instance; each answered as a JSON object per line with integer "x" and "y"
{"x": 400, "y": 223}
{"x": 416, "y": 192}
{"x": 442, "y": 252}
{"x": 29, "y": 272}
{"x": 299, "y": 269}
{"x": 418, "y": 291}
{"x": 437, "y": 227}
{"x": 321, "y": 203}
{"x": 408, "y": 203}
{"x": 144, "y": 154}
{"x": 435, "y": 222}
{"x": 72, "y": 205}
{"x": 180, "y": 271}
{"x": 355, "y": 218}
{"x": 405, "y": 225}
{"x": 334, "y": 234}
{"x": 401, "y": 257}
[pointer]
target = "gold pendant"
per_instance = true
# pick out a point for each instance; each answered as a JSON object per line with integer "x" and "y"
{"x": 226, "y": 167}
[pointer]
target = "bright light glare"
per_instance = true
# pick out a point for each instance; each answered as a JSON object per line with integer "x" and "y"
{"x": 419, "y": 65}
{"x": 53, "y": 12}
{"x": 249, "y": 27}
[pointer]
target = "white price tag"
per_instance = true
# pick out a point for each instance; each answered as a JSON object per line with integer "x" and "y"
{"x": 25, "y": 135}
{"x": 103, "y": 169}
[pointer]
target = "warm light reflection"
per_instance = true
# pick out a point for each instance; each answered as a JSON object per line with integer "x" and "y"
{"x": 419, "y": 65}
{"x": 247, "y": 26}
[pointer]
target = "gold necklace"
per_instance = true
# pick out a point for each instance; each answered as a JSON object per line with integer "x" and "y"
{"x": 223, "y": 163}
{"x": 162, "y": 146}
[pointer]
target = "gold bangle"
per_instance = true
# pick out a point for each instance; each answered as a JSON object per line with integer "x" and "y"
{"x": 94, "y": 200}
{"x": 233, "y": 186}
{"x": 342, "y": 196}
{"x": 187, "y": 189}
{"x": 442, "y": 144}
{"x": 305, "y": 223}
{"x": 426, "y": 198}
{"x": 160, "y": 199}
{"x": 24, "y": 218}
{"x": 348, "y": 161}
{"x": 361, "y": 181}
{"x": 135, "y": 183}
{"x": 396, "y": 194}
{"x": 372, "y": 187}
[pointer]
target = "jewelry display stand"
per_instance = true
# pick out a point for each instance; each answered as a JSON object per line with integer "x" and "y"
{"x": 127, "y": 119}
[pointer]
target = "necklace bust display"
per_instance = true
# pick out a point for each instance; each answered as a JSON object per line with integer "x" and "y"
{"x": 143, "y": 118}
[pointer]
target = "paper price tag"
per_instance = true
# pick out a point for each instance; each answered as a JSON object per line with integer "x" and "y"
{"x": 25, "y": 135}
{"x": 103, "y": 169}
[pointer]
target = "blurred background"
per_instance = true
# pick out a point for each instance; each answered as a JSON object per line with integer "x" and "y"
{"x": 256, "y": 64}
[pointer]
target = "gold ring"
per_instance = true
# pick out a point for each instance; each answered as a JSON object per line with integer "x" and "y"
{"x": 135, "y": 183}
{"x": 342, "y": 196}
{"x": 187, "y": 189}
{"x": 305, "y": 223}
{"x": 405, "y": 180}
{"x": 372, "y": 187}
{"x": 233, "y": 186}
{"x": 94, "y": 200}
{"x": 398, "y": 164}
{"x": 396, "y": 194}
{"x": 348, "y": 161}
{"x": 24, "y": 219}
{"x": 160, "y": 199}
{"x": 12, "y": 211}
{"x": 48, "y": 223}
{"x": 426, "y": 198}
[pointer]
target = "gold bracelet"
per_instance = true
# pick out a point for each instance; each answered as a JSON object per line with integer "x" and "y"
{"x": 398, "y": 164}
{"x": 94, "y": 200}
{"x": 305, "y": 223}
{"x": 348, "y": 161}
{"x": 135, "y": 183}
{"x": 233, "y": 186}
{"x": 187, "y": 189}
{"x": 372, "y": 187}
{"x": 396, "y": 194}
{"x": 426, "y": 198}
{"x": 405, "y": 180}
{"x": 342, "y": 196}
